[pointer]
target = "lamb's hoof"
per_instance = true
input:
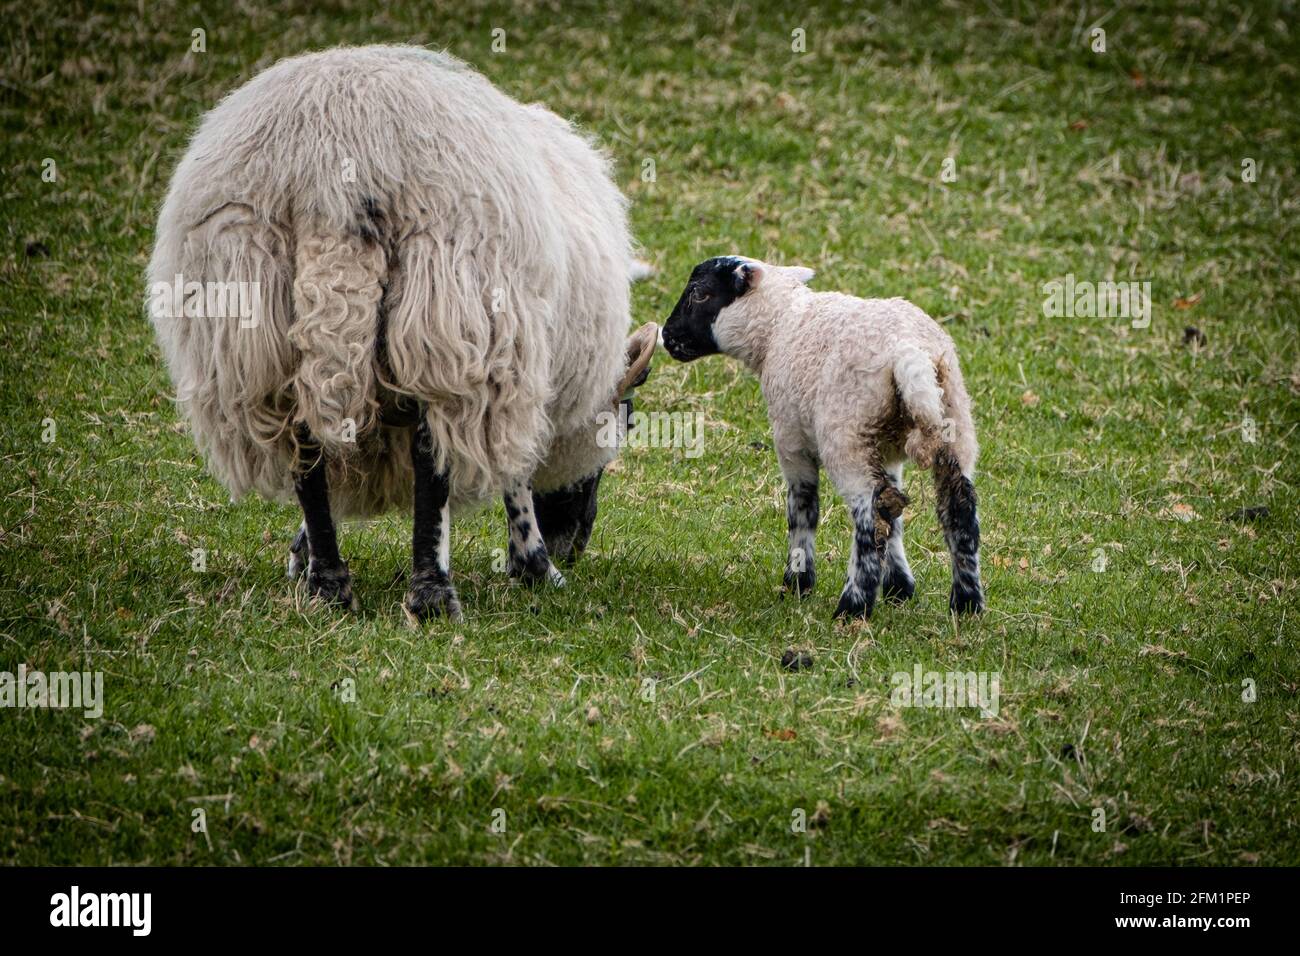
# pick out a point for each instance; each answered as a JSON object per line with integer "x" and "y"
{"x": 333, "y": 585}
{"x": 855, "y": 603}
{"x": 898, "y": 588}
{"x": 966, "y": 601}
{"x": 799, "y": 582}
{"x": 534, "y": 568}
{"x": 431, "y": 595}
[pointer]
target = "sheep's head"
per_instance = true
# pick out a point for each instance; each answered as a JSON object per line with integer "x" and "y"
{"x": 566, "y": 514}
{"x": 716, "y": 284}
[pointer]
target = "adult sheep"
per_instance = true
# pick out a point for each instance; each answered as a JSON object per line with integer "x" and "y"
{"x": 432, "y": 290}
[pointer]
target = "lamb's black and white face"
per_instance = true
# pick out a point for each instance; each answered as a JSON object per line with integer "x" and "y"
{"x": 714, "y": 285}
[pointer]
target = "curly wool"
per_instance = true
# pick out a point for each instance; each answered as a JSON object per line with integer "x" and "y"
{"x": 412, "y": 233}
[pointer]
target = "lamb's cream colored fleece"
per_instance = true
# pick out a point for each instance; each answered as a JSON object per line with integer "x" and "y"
{"x": 833, "y": 370}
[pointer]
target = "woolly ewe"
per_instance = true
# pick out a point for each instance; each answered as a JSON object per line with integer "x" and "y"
{"x": 439, "y": 298}
{"x": 855, "y": 386}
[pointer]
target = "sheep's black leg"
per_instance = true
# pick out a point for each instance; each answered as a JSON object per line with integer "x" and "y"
{"x": 802, "y": 512}
{"x": 431, "y": 591}
{"x": 327, "y": 574}
{"x": 566, "y": 516}
{"x": 897, "y": 583}
{"x": 299, "y": 553}
{"x": 956, "y": 505}
{"x": 528, "y": 559}
{"x": 859, "y": 594}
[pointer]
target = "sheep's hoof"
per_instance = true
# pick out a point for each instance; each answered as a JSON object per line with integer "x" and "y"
{"x": 898, "y": 588}
{"x": 431, "y": 595}
{"x": 534, "y": 568}
{"x": 333, "y": 585}
{"x": 855, "y": 603}
{"x": 799, "y": 582}
{"x": 966, "y": 601}
{"x": 298, "y": 555}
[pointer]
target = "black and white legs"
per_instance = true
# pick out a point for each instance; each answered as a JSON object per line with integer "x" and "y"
{"x": 327, "y": 574}
{"x": 956, "y": 505}
{"x": 863, "y": 579}
{"x": 896, "y": 581}
{"x": 431, "y": 592}
{"x": 802, "y": 512}
{"x": 527, "y": 557}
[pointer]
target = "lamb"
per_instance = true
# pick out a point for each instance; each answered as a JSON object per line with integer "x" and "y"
{"x": 855, "y": 386}
{"x": 432, "y": 283}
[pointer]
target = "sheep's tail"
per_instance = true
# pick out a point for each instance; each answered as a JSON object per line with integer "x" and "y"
{"x": 917, "y": 378}
{"x": 337, "y": 288}
{"x": 467, "y": 336}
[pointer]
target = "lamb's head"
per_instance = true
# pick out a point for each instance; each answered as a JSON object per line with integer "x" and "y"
{"x": 564, "y": 488}
{"x": 717, "y": 304}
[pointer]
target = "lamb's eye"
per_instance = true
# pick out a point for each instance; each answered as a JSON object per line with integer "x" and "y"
{"x": 698, "y": 296}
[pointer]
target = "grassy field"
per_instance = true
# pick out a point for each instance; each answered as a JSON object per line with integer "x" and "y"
{"x": 1130, "y": 613}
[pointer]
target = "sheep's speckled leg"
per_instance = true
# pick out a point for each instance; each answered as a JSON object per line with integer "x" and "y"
{"x": 528, "y": 559}
{"x": 897, "y": 583}
{"x": 859, "y": 595}
{"x": 956, "y": 505}
{"x": 802, "y": 512}
{"x": 327, "y": 574}
{"x": 431, "y": 592}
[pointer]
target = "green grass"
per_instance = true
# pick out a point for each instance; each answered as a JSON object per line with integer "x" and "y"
{"x": 1120, "y": 689}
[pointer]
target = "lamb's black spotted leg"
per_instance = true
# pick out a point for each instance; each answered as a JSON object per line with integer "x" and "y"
{"x": 431, "y": 591}
{"x": 859, "y": 595}
{"x": 528, "y": 559}
{"x": 956, "y": 505}
{"x": 897, "y": 583}
{"x": 802, "y": 512}
{"x": 327, "y": 574}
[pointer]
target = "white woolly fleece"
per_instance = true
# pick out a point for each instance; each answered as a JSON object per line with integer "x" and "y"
{"x": 412, "y": 231}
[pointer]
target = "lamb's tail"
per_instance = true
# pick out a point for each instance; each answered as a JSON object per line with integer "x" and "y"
{"x": 917, "y": 376}
{"x": 338, "y": 284}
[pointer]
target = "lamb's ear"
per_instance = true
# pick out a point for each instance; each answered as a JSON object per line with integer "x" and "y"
{"x": 746, "y": 276}
{"x": 800, "y": 273}
{"x": 640, "y": 348}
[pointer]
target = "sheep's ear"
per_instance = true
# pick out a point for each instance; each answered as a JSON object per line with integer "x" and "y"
{"x": 640, "y": 348}
{"x": 746, "y": 276}
{"x": 800, "y": 273}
